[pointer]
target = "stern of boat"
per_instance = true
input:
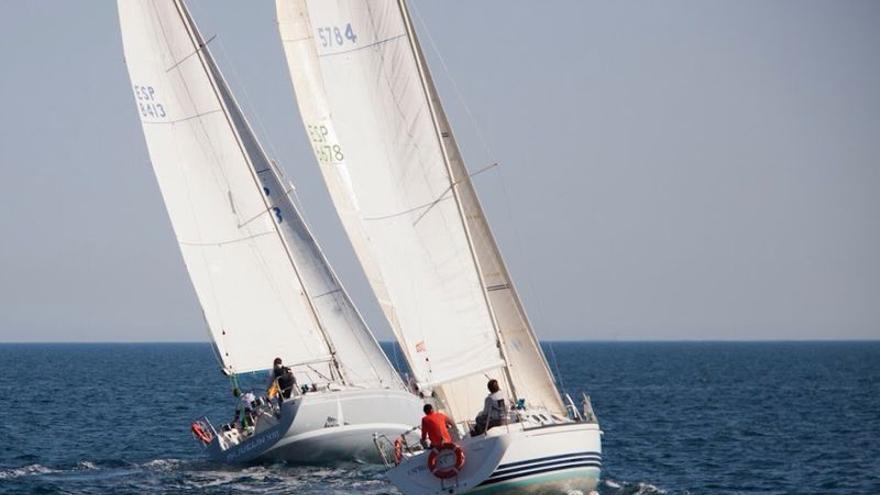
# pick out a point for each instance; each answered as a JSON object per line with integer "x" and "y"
{"x": 559, "y": 458}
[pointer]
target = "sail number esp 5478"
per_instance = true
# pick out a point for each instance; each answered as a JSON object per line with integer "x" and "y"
{"x": 325, "y": 150}
{"x": 336, "y": 36}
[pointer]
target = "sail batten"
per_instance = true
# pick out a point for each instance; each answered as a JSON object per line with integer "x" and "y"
{"x": 253, "y": 263}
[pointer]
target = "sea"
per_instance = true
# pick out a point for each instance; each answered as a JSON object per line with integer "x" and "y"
{"x": 678, "y": 418}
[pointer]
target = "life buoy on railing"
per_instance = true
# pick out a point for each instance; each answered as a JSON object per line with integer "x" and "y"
{"x": 446, "y": 472}
{"x": 199, "y": 431}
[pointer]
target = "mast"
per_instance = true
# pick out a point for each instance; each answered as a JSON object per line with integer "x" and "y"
{"x": 220, "y": 87}
{"x": 431, "y": 96}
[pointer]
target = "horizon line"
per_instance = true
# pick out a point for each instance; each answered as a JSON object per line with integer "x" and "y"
{"x": 543, "y": 341}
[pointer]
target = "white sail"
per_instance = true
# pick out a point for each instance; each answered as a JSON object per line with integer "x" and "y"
{"x": 363, "y": 107}
{"x": 261, "y": 279}
{"x": 526, "y": 365}
{"x": 402, "y": 191}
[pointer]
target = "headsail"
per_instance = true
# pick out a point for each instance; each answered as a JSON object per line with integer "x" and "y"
{"x": 402, "y": 191}
{"x": 263, "y": 283}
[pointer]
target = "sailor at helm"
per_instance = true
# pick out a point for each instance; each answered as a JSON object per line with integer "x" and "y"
{"x": 494, "y": 410}
{"x": 282, "y": 381}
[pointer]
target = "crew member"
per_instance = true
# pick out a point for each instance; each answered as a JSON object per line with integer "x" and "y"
{"x": 494, "y": 410}
{"x": 244, "y": 409}
{"x": 283, "y": 377}
{"x": 435, "y": 426}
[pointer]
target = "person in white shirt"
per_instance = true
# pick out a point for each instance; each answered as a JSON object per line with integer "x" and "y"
{"x": 494, "y": 410}
{"x": 244, "y": 409}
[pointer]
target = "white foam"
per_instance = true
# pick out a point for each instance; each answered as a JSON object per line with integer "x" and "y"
{"x": 645, "y": 488}
{"x": 162, "y": 464}
{"x": 29, "y": 470}
{"x": 86, "y": 465}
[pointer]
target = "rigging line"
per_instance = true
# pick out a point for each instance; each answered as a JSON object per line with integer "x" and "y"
{"x": 431, "y": 204}
{"x": 197, "y": 50}
{"x": 223, "y": 94}
{"x": 329, "y": 292}
{"x": 488, "y": 150}
{"x": 164, "y": 40}
{"x": 184, "y": 119}
{"x": 223, "y": 243}
{"x": 506, "y": 196}
{"x": 556, "y": 365}
{"x": 258, "y": 215}
{"x": 246, "y": 103}
{"x": 322, "y": 375}
{"x": 245, "y": 106}
{"x": 458, "y": 93}
{"x": 364, "y": 47}
{"x": 429, "y": 91}
{"x": 450, "y": 188}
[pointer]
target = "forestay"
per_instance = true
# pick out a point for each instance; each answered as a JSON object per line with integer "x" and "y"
{"x": 406, "y": 202}
{"x": 263, "y": 283}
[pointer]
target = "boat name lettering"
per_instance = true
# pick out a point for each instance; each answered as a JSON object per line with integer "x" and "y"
{"x": 336, "y": 36}
{"x": 252, "y": 444}
{"x": 148, "y": 102}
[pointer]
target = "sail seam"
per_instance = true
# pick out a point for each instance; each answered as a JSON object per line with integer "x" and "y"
{"x": 364, "y": 47}
{"x": 223, "y": 243}
{"x": 431, "y": 204}
{"x": 177, "y": 121}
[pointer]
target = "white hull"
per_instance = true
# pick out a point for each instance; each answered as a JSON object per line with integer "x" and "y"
{"x": 324, "y": 427}
{"x": 564, "y": 458}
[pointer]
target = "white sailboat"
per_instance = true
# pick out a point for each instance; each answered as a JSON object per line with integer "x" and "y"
{"x": 265, "y": 288}
{"x": 401, "y": 188}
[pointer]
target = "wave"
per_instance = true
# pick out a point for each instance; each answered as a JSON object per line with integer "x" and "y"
{"x": 612, "y": 487}
{"x": 29, "y": 470}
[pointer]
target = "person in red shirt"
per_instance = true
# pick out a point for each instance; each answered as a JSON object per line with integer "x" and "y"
{"x": 435, "y": 427}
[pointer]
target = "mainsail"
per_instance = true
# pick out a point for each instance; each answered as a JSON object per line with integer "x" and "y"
{"x": 265, "y": 288}
{"x": 403, "y": 193}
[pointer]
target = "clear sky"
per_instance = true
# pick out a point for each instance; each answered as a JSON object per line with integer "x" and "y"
{"x": 669, "y": 170}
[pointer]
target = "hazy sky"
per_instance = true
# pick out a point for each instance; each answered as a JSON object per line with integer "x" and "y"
{"x": 669, "y": 170}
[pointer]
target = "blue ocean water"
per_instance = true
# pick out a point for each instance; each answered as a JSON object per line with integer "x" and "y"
{"x": 679, "y": 418}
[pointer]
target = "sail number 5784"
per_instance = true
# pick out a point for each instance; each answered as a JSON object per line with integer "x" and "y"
{"x": 336, "y": 35}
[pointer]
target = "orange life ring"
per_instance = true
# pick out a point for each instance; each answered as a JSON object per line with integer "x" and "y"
{"x": 398, "y": 450}
{"x": 449, "y": 472}
{"x": 200, "y": 433}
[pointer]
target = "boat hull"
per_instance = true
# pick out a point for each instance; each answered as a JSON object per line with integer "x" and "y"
{"x": 563, "y": 459}
{"x": 324, "y": 428}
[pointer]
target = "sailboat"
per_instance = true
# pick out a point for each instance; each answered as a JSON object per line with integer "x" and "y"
{"x": 399, "y": 183}
{"x": 264, "y": 285}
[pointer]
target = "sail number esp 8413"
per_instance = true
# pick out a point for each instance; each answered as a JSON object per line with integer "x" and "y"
{"x": 148, "y": 102}
{"x": 333, "y": 36}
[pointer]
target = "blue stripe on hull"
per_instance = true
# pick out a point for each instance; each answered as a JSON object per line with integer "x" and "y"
{"x": 550, "y": 458}
{"x": 579, "y": 470}
{"x": 581, "y": 458}
{"x": 529, "y": 472}
{"x": 562, "y": 479}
